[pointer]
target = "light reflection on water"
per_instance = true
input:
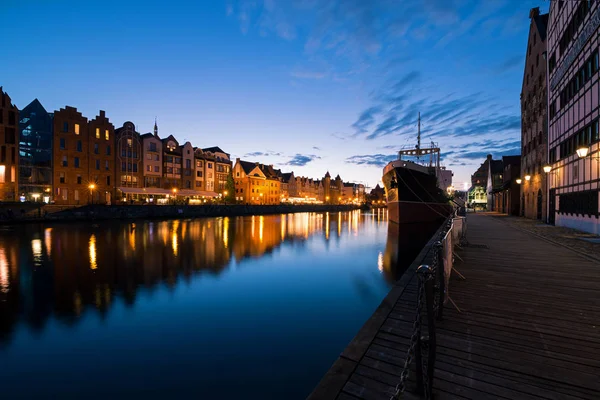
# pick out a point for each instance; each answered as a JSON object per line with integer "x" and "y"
{"x": 258, "y": 305}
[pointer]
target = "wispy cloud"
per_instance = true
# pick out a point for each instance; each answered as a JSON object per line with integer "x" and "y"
{"x": 316, "y": 148}
{"x": 300, "y": 74}
{"x": 267, "y": 153}
{"x": 377, "y": 160}
{"x": 300, "y": 160}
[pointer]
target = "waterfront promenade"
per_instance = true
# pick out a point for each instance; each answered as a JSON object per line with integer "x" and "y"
{"x": 528, "y": 326}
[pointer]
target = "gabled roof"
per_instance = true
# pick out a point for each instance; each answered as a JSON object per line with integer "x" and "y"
{"x": 247, "y": 166}
{"x": 286, "y": 176}
{"x": 147, "y": 135}
{"x": 541, "y": 22}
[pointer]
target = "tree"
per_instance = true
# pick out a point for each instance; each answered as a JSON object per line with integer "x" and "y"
{"x": 230, "y": 188}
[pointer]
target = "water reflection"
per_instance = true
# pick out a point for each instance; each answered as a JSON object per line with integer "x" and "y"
{"x": 66, "y": 269}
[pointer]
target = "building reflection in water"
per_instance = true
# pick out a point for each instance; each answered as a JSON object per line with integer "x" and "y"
{"x": 65, "y": 270}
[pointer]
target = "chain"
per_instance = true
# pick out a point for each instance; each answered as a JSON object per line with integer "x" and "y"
{"x": 425, "y": 351}
{"x": 400, "y": 387}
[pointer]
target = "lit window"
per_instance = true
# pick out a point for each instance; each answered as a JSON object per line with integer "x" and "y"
{"x": 129, "y": 143}
{"x": 13, "y": 174}
{"x": 2, "y": 173}
{"x": 76, "y": 195}
{"x": 106, "y": 134}
{"x": 97, "y": 133}
{"x": 77, "y": 129}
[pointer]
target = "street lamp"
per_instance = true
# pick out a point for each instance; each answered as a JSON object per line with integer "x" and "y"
{"x": 527, "y": 178}
{"x": 92, "y": 187}
{"x": 547, "y": 168}
{"x": 582, "y": 152}
{"x": 519, "y": 180}
{"x": 261, "y": 196}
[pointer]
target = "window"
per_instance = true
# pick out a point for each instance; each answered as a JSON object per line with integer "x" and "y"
{"x": 97, "y": 164}
{"x": 97, "y": 133}
{"x": 108, "y": 180}
{"x": 210, "y": 165}
{"x": 13, "y": 173}
{"x": 2, "y": 173}
{"x": 188, "y": 164}
{"x": 198, "y": 183}
{"x": 63, "y": 143}
{"x": 65, "y": 194}
{"x": 199, "y": 174}
{"x": 210, "y": 175}
{"x": 79, "y": 147}
{"x": 64, "y": 161}
{"x": 106, "y": 134}
{"x": 65, "y": 127}
{"x": 149, "y": 168}
{"x": 156, "y": 157}
{"x": 177, "y": 170}
{"x": 135, "y": 167}
{"x": 106, "y": 167}
{"x": 108, "y": 150}
{"x": 129, "y": 142}
{"x": 76, "y": 162}
{"x": 156, "y": 168}
{"x": 77, "y": 129}
{"x": 148, "y": 156}
{"x": 237, "y": 174}
{"x": 152, "y": 146}
{"x": 76, "y": 195}
{"x": 123, "y": 166}
{"x": 79, "y": 179}
{"x": 96, "y": 148}
{"x": 198, "y": 164}
{"x": 61, "y": 177}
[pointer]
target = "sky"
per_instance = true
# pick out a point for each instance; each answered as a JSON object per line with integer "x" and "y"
{"x": 306, "y": 85}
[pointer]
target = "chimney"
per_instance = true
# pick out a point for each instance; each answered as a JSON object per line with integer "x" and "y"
{"x": 534, "y": 12}
{"x": 102, "y": 114}
{"x": 237, "y": 160}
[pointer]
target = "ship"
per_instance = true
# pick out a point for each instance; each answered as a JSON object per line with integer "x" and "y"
{"x": 412, "y": 185}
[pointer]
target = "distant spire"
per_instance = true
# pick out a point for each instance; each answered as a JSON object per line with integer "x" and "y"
{"x": 155, "y": 128}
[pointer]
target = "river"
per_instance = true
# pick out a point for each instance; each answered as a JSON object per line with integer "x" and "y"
{"x": 216, "y": 308}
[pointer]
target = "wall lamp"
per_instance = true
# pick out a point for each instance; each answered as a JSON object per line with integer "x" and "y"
{"x": 582, "y": 152}
{"x": 527, "y": 178}
{"x": 547, "y": 168}
{"x": 519, "y": 180}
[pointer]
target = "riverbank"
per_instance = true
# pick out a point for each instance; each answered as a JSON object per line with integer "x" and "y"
{"x": 132, "y": 212}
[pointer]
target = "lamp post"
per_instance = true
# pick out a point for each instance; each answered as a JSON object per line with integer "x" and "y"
{"x": 92, "y": 187}
{"x": 174, "y": 195}
{"x": 261, "y": 198}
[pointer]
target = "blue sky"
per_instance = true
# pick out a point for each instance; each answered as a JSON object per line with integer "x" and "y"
{"x": 306, "y": 85}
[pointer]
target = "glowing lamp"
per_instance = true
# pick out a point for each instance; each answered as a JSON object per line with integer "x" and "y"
{"x": 519, "y": 180}
{"x": 92, "y": 186}
{"x": 547, "y": 168}
{"x": 528, "y": 177}
{"x": 582, "y": 152}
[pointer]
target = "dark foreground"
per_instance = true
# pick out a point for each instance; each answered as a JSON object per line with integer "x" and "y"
{"x": 528, "y": 326}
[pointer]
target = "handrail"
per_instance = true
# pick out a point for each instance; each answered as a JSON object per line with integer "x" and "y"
{"x": 431, "y": 294}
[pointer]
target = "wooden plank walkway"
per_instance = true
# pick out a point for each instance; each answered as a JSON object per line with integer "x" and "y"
{"x": 529, "y": 326}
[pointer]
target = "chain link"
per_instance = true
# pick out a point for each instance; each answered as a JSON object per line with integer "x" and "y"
{"x": 401, "y": 387}
{"x": 437, "y": 301}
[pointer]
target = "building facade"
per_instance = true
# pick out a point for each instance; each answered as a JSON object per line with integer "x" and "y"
{"x": 506, "y": 198}
{"x": 573, "y": 134}
{"x": 70, "y": 152}
{"x": 222, "y": 167}
{"x": 534, "y": 122}
{"x": 9, "y": 148}
{"x": 101, "y": 159}
{"x": 128, "y": 160}
{"x": 152, "y": 149}
{"x": 256, "y": 183}
{"x": 35, "y": 153}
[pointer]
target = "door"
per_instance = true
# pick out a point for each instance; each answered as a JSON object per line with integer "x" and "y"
{"x": 523, "y": 205}
{"x": 539, "y": 204}
{"x": 552, "y": 206}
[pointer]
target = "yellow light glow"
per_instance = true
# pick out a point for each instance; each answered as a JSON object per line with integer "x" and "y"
{"x": 582, "y": 152}
{"x": 380, "y": 262}
{"x": 92, "y": 186}
{"x": 48, "y": 240}
{"x": 547, "y": 168}
{"x": 4, "y": 281}
{"x": 252, "y": 227}
{"x": 261, "y": 226}
{"x": 225, "y": 231}
{"x": 92, "y": 251}
{"x": 327, "y": 225}
{"x": 36, "y": 248}
{"x": 519, "y": 180}
{"x": 527, "y": 177}
{"x": 174, "y": 243}
{"x": 283, "y": 221}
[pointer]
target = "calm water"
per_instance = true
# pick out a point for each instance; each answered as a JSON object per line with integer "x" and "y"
{"x": 249, "y": 307}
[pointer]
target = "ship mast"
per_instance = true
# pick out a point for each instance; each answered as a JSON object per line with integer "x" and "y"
{"x": 419, "y": 134}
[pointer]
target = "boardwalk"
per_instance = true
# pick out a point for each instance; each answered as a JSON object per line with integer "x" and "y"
{"x": 528, "y": 327}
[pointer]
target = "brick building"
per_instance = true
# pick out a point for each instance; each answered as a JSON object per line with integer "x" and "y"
{"x": 534, "y": 124}
{"x": 9, "y": 148}
{"x": 101, "y": 159}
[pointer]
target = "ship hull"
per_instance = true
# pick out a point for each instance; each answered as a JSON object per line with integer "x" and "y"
{"x": 410, "y": 212}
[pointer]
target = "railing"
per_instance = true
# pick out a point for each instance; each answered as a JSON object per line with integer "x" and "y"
{"x": 432, "y": 294}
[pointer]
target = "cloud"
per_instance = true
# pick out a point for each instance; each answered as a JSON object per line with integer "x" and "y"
{"x": 300, "y": 160}
{"x": 316, "y": 148}
{"x": 366, "y": 119}
{"x": 267, "y": 153}
{"x": 377, "y": 160}
{"x": 510, "y": 63}
{"x": 308, "y": 74}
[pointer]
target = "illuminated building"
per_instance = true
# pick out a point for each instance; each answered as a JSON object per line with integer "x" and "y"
{"x": 128, "y": 162}
{"x": 256, "y": 183}
{"x": 172, "y": 162}
{"x": 573, "y": 112}
{"x": 222, "y": 167}
{"x": 9, "y": 148}
{"x": 152, "y": 155}
{"x": 70, "y": 157}
{"x": 35, "y": 152}
{"x": 101, "y": 160}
